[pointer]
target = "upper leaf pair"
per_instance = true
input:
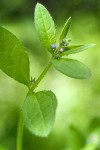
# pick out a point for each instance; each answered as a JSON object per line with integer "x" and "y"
{"x": 46, "y": 30}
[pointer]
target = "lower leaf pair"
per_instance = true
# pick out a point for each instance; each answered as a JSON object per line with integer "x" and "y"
{"x": 39, "y": 112}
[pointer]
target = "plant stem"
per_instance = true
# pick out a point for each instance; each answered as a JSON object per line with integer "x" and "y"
{"x": 21, "y": 124}
{"x": 20, "y": 133}
{"x": 40, "y": 77}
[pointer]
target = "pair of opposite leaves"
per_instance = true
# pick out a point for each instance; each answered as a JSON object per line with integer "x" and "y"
{"x": 39, "y": 108}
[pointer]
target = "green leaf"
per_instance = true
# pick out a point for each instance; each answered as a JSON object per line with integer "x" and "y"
{"x": 14, "y": 60}
{"x": 39, "y": 112}
{"x": 72, "y": 68}
{"x": 45, "y": 26}
{"x": 76, "y": 48}
{"x": 65, "y": 29}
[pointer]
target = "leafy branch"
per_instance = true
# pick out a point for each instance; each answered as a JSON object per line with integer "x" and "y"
{"x": 39, "y": 109}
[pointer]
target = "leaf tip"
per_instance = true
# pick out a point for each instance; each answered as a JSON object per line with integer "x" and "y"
{"x": 93, "y": 44}
{"x": 38, "y": 5}
{"x": 70, "y": 18}
{"x": 88, "y": 75}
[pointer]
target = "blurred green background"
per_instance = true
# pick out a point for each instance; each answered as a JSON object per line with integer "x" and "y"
{"x": 77, "y": 124}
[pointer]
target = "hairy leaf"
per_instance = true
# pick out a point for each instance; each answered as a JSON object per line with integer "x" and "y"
{"x": 14, "y": 60}
{"x": 72, "y": 68}
{"x": 65, "y": 29}
{"x": 39, "y": 112}
{"x": 45, "y": 26}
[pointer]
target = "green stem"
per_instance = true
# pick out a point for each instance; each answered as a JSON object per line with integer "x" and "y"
{"x": 20, "y": 124}
{"x": 20, "y": 133}
{"x": 40, "y": 77}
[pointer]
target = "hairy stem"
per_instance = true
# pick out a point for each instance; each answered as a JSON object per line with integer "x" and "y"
{"x": 20, "y": 133}
{"x": 40, "y": 77}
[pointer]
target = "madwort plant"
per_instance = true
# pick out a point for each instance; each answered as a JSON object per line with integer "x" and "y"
{"x": 39, "y": 108}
